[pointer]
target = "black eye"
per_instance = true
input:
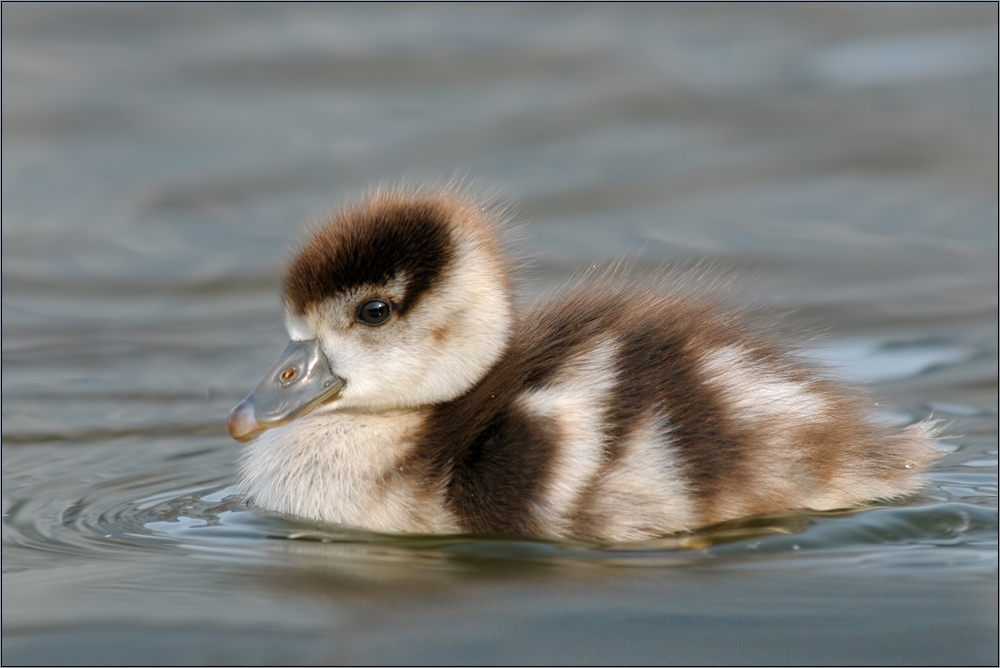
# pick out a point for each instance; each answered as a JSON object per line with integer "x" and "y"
{"x": 374, "y": 312}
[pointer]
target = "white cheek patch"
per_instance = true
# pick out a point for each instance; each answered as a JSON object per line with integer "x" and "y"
{"x": 355, "y": 361}
{"x": 577, "y": 399}
{"x": 381, "y": 374}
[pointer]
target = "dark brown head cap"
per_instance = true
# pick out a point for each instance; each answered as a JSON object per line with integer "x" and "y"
{"x": 389, "y": 235}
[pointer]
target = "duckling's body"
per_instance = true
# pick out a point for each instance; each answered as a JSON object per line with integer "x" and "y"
{"x": 608, "y": 414}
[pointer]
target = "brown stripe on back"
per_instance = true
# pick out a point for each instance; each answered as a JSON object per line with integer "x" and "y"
{"x": 662, "y": 371}
{"x": 495, "y": 459}
{"x": 660, "y": 345}
{"x": 388, "y": 236}
{"x": 500, "y": 472}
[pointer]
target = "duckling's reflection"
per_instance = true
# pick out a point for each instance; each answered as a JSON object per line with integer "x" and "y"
{"x": 346, "y": 558}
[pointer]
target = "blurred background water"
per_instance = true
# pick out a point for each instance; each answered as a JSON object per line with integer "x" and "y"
{"x": 158, "y": 161}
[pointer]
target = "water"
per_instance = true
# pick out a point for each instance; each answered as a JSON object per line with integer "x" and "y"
{"x": 838, "y": 162}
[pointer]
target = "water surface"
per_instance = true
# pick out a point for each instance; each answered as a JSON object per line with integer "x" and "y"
{"x": 837, "y": 163}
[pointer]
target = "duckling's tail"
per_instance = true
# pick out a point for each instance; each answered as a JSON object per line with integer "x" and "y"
{"x": 909, "y": 453}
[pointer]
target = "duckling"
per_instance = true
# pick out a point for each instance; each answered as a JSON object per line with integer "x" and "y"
{"x": 416, "y": 396}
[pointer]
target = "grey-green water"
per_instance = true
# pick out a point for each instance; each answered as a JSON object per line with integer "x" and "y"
{"x": 840, "y": 161}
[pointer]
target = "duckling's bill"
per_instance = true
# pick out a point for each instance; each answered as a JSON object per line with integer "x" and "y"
{"x": 298, "y": 382}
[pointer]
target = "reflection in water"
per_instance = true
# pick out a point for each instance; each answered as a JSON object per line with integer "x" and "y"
{"x": 838, "y": 162}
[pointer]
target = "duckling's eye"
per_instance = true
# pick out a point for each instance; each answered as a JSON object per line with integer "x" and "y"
{"x": 374, "y": 312}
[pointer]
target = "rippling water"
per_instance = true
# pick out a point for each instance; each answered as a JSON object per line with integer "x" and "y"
{"x": 838, "y": 162}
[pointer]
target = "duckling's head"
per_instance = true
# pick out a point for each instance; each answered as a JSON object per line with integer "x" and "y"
{"x": 401, "y": 301}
